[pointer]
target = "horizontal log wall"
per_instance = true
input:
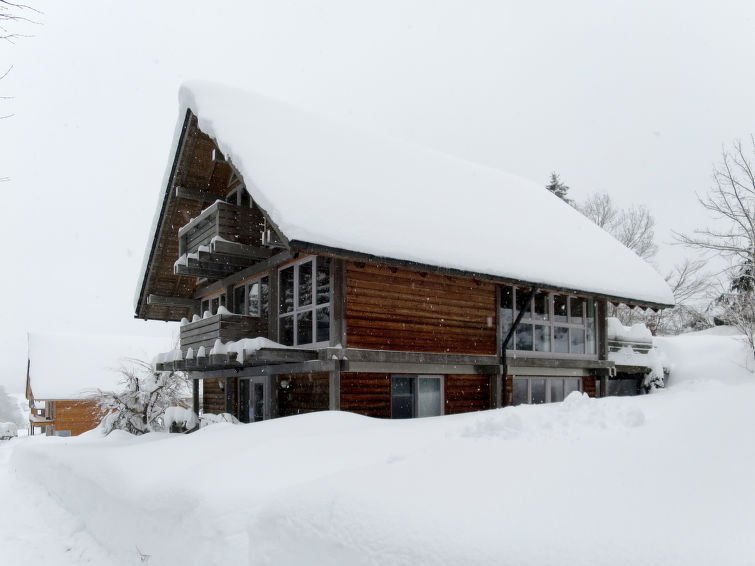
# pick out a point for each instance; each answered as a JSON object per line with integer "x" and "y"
{"x": 367, "y": 394}
{"x": 303, "y": 393}
{"x": 466, "y": 393}
{"x": 76, "y": 416}
{"x": 400, "y": 309}
{"x": 213, "y": 398}
{"x": 224, "y": 327}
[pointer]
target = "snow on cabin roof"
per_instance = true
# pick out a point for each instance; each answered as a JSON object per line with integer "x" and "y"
{"x": 334, "y": 186}
{"x": 73, "y": 366}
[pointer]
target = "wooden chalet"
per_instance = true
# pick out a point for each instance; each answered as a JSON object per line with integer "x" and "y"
{"x": 316, "y": 267}
{"x": 64, "y": 371}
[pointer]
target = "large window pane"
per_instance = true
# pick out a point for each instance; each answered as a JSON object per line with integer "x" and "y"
{"x": 542, "y": 338}
{"x": 577, "y": 339}
{"x": 323, "y": 280}
{"x": 286, "y": 330}
{"x": 253, "y": 305}
{"x": 429, "y": 397}
{"x": 304, "y": 327}
{"x": 323, "y": 324}
{"x": 507, "y": 311}
{"x": 305, "y": 284}
{"x": 559, "y": 308}
{"x": 560, "y": 340}
{"x": 524, "y": 337}
{"x": 402, "y": 396}
{"x": 214, "y": 304}
{"x": 523, "y": 303}
{"x": 542, "y": 306}
{"x": 286, "y": 302}
{"x": 570, "y": 384}
{"x": 537, "y": 388}
{"x": 591, "y": 346}
{"x": 557, "y": 389}
{"x": 577, "y": 310}
{"x": 521, "y": 392}
{"x": 239, "y": 304}
{"x": 264, "y": 297}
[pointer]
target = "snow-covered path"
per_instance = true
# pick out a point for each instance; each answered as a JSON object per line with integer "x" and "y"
{"x": 35, "y": 528}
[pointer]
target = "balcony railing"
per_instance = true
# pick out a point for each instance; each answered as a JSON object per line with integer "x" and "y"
{"x": 225, "y": 327}
{"x": 223, "y": 239}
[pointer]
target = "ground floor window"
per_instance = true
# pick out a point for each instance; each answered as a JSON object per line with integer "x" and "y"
{"x": 537, "y": 390}
{"x": 416, "y": 396}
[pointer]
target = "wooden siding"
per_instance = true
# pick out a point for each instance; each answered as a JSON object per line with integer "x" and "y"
{"x": 366, "y": 394}
{"x": 466, "y": 393}
{"x": 400, "y": 309}
{"x": 76, "y": 416}
{"x": 304, "y": 393}
{"x": 213, "y": 398}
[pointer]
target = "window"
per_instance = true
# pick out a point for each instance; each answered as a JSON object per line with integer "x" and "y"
{"x": 416, "y": 396}
{"x": 552, "y": 323}
{"x": 304, "y": 302}
{"x": 252, "y": 298}
{"x": 212, "y": 304}
{"x": 537, "y": 390}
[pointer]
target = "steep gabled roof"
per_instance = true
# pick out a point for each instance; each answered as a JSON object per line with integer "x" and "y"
{"x": 73, "y": 366}
{"x": 331, "y": 186}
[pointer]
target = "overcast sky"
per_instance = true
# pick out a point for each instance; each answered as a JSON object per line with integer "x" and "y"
{"x": 635, "y": 100}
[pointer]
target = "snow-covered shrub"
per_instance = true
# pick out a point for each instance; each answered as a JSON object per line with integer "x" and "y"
{"x": 140, "y": 406}
{"x": 8, "y": 431}
{"x": 179, "y": 419}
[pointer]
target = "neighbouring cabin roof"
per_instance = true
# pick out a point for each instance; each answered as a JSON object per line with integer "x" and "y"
{"x": 73, "y": 366}
{"x": 330, "y": 186}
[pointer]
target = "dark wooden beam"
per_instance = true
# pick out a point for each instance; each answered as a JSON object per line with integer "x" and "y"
{"x": 173, "y": 301}
{"x": 197, "y": 194}
{"x": 393, "y": 356}
{"x": 240, "y": 250}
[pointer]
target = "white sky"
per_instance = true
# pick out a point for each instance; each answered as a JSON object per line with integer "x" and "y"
{"x": 635, "y": 100}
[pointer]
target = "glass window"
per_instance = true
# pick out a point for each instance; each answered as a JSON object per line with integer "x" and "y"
{"x": 537, "y": 391}
{"x": 402, "y": 398}
{"x": 524, "y": 337}
{"x": 254, "y": 299}
{"x": 523, "y": 303}
{"x": 239, "y": 304}
{"x": 559, "y": 308}
{"x": 521, "y": 391}
{"x": 214, "y": 304}
{"x": 286, "y": 290}
{"x": 304, "y": 327}
{"x": 577, "y": 340}
{"x": 542, "y": 338}
{"x": 576, "y": 310}
{"x": 590, "y": 346}
{"x": 507, "y": 310}
{"x": 305, "y": 292}
{"x": 323, "y": 280}
{"x": 416, "y": 396}
{"x": 561, "y": 339}
{"x": 542, "y": 306}
{"x": 305, "y": 284}
{"x": 429, "y": 397}
{"x": 286, "y": 330}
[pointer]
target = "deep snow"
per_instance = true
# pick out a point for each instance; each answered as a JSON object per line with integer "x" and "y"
{"x": 659, "y": 479}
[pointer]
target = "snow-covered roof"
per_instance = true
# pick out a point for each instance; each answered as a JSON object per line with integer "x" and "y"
{"x": 73, "y": 366}
{"x": 334, "y": 186}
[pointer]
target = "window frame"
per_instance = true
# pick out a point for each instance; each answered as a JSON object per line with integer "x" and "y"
{"x": 415, "y": 395}
{"x": 530, "y": 378}
{"x": 246, "y": 285}
{"x": 532, "y": 320}
{"x": 312, "y": 307}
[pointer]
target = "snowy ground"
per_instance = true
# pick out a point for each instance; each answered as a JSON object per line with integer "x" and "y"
{"x": 660, "y": 479}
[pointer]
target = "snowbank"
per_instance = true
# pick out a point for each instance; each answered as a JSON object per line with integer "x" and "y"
{"x": 663, "y": 479}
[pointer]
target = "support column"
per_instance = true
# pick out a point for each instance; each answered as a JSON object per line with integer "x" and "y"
{"x": 195, "y": 396}
{"x": 334, "y": 387}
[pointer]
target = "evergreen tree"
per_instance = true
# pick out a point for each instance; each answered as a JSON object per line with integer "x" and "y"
{"x": 558, "y": 188}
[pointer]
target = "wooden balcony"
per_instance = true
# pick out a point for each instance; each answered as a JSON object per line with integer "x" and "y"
{"x": 225, "y": 327}
{"x": 222, "y": 240}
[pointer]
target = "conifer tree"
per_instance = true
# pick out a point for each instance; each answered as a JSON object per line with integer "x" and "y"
{"x": 558, "y": 188}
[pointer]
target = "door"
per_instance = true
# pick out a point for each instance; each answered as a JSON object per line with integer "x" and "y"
{"x": 256, "y": 400}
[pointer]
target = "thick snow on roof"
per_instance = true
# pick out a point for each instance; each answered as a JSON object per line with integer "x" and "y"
{"x": 73, "y": 366}
{"x": 335, "y": 186}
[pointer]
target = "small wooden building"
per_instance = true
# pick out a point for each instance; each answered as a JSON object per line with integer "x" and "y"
{"x": 65, "y": 370}
{"x": 317, "y": 267}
